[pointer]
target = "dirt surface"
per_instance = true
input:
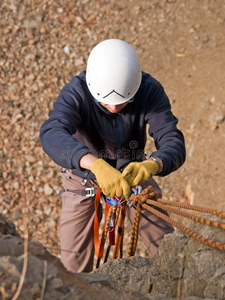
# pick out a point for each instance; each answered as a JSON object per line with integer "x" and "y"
{"x": 44, "y": 43}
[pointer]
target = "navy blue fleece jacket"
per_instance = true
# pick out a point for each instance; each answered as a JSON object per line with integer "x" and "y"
{"x": 78, "y": 125}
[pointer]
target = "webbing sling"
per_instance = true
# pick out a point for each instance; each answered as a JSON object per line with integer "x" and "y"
{"x": 99, "y": 246}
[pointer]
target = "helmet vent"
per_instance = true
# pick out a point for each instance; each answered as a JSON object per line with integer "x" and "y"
{"x": 113, "y": 91}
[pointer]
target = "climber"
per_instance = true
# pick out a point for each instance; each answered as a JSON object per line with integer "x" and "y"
{"x": 96, "y": 133}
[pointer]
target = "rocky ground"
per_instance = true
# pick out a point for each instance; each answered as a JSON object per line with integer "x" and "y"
{"x": 182, "y": 269}
{"x": 44, "y": 43}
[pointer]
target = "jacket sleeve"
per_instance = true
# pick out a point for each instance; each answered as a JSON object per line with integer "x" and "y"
{"x": 169, "y": 140}
{"x": 56, "y": 133}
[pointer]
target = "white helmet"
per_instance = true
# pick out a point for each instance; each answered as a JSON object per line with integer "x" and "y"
{"x": 113, "y": 72}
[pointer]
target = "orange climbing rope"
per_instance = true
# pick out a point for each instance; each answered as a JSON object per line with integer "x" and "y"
{"x": 151, "y": 201}
{"x": 148, "y": 199}
{"x": 138, "y": 201}
{"x": 194, "y": 207}
{"x": 186, "y": 230}
{"x": 188, "y": 215}
{"x": 120, "y": 233}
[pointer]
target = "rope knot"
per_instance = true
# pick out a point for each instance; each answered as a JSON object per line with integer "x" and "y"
{"x": 141, "y": 198}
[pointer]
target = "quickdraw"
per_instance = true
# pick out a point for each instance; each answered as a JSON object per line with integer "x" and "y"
{"x": 115, "y": 212}
{"x": 147, "y": 199}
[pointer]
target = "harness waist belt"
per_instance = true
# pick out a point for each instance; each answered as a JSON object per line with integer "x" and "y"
{"x": 88, "y": 192}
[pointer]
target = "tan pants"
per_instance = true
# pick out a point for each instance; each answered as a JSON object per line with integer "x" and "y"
{"x": 77, "y": 224}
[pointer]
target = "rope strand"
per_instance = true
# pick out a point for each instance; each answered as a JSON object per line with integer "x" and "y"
{"x": 194, "y": 207}
{"x": 187, "y": 215}
{"x": 147, "y": 200}
{"x": 186, "y": 230}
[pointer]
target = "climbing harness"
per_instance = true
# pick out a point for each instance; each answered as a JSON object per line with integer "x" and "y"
{"x": 115, "y": 211}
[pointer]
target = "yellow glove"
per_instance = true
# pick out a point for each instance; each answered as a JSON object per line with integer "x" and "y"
{"x": 110, "y": 180}
{"x": 137, "y": 172}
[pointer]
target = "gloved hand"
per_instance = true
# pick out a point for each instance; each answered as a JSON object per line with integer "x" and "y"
{"x": 137, "y": 172}
{"x": 110, "y": 180}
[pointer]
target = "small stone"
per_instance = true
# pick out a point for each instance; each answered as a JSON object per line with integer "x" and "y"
{"x": 48, "y": 190}
{"x": 30, "y": 158}
{"x": 220, "y": 118}
{"x": 66, "y": 50}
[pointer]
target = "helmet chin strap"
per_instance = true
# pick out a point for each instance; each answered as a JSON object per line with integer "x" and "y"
{"x": 113, "y": 91}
